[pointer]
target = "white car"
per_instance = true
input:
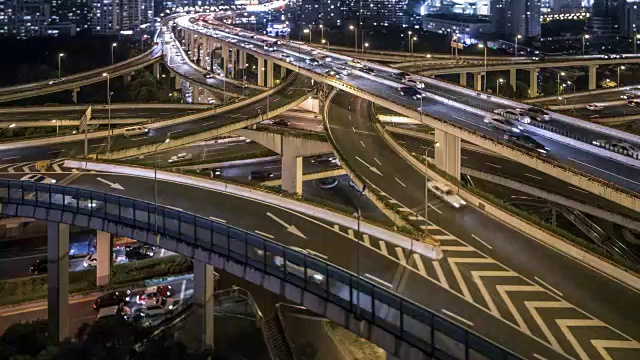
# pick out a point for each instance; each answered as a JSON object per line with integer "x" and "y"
{"x": 286, "y": 57}
{"x": 595, "y": 107}
{"x": 413, "y": 82}
{"x": 445, "y": 193}
{"x": 56, "y": 81}
{"x": 38, "y": 179}
{"x": 90, "y": 261}
{"x": 516, "y": 114}
{"x": 355, "y": 63}
{"x": 180, "y": 157}
{"x": 153, "y": 293}
{"x": 156, "y": 307}
{"x": 502, "y": 123}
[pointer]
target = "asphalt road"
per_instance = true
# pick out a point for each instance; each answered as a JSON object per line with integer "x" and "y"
{"x": 97, "y": 113}
{"x": 608, "y": 112}
{"x": 586, "y": 98}
{"x": 494, "y": 255}
{"x": 295, "y": 90}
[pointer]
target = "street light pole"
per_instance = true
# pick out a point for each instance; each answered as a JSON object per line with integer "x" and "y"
{"x": 322, "y": 33}
{"x": 585, "y": 36}
{"x": 355, "y": 29}
{"x": 59, "y": 64}
{"x": 410, "y": 49}
{"x": 485, "y": 65}
{"x": 7, "y": 127}
{"x": 108, "y": 109}
{"x": 155, "y": 177}
{"x": 619, "y": 67}
{"x": 498, "y": 86}
{"x": 560, "y": 73}
{"x": 516, "y": 53}
{"x": 112, "y": 47}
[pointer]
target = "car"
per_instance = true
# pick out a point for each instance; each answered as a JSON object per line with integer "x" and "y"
{"x": 155, "y": 307}
{"x": 413, "y": 82}
{"x": 113, "y": 298}
{"x": 502, "y": 123}
{"x": 260, "y": 175}
{"x": 410, "y": 91}
{"x": 540, "y": 57}
{"x": 280, "y": 122}
{"x": 90, "y": 261}
{"x": 286, "y": 57}
{"x": 528, "y": 142}
{"x": 402, "y": 75}
{"x": 324, "y": 159}
{"x": 611, "y": 56}
{"x": 608, "y": 83}
{"x": 153, "y": 292}
{"x": 217, "y": 70}
{"x": 56, "y": 81}
{"x": 618, "y": 146}
{"x": 334, "y": 74}
{"x": 115, "y": 310}
{"x": 368, "y": 70}
{"x": 208, "y": 75}
{"x": 312, "y": 61}
{"x": 633, "y": 103}
{"x": 139, "y": 253}
{"x": 37, "y": 178}
{"x": 538, "y": 114}
{"x": 513, "y": 114}
{"x": 269, "y": 46}
{"x": 594, "y": 107}
{"x": 180, "y": 157}
{"x": 355, "y": 63}
{"x": 39, "y": 267}
{"x": 326, "y": 58}
{"x": 445, "y": 193}
{"x": 342, "y": 70}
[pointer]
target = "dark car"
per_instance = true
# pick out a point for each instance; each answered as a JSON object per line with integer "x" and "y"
{"x": 410, "y": 91}
{"x": 260, "y": 175}
{"x": 312, "y": 61}
{"x": 402, "y": 75}
{"x": 139, "y": 253}
{"x": 280, "y": 122}
{"x": 324, "y": 159}
{"x": 207, "y": 75}
{"x": 528, "y": 142}
{"x": 39, "y": 267}
{"x": 114, "y": 298}
{"x": 368, "y": 70}
{"x": 538, "y": 114}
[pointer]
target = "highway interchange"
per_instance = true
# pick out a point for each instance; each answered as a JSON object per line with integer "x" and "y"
{"x": 474, "y": 244}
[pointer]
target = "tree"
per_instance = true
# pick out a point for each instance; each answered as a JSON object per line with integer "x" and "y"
{"x": 522, "y": 90}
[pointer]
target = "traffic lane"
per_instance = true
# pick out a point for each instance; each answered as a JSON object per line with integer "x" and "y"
{"x": 301, "y": 121}
{"x": 485, "y": 235}
{"x": 609, "y": 111}
{"x": 585, "y": 98}
{"x": 242, "y": 172}
{"x": 97, "y": 113}
{"x": 501, "y": 166}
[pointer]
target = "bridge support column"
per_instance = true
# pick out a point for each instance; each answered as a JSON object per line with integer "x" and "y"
{"x": 261, "y": 71}
{"x": 447, "y": 153}
{"x": 104, "y": 252}
{"x": 463, "y": 79}
{"x": 512, "y": 78}
{"x": 283, "y": 72}
{"x": 477, "y": 81}
{"x": 224, "y": 63}
{"x": 178, "y": 83}
{"x": 533, "y": 83}
{"x": 58, "y": 280}
{"x": 156, "y": 70}
{"x": 291, "y": 173}
{"x": 269, "y": 73}
{"x": 234, "y": 62}
{"x": 592, "y": 76}
{"x": 204, "y": 282}
{"x": 195, "y": 95}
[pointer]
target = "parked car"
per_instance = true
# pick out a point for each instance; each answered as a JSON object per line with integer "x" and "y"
{"x": 446, "y": 194}
{"x": 528, "y": 142}
{"x": 594, "y": 107}
{"x": 502, "y": 123}
{"x": 113, "y": 298}
{"x": 37, "y": 178}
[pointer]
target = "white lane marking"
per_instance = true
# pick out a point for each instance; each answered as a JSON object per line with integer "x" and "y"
{"x": 539, "y": 357}
{"x": 209, "y": 123}
{"x": 138, "y": 138}
{"x": 401, "y": 183}
{"x": 376, "y": 160}
{"x": 436, "y": 209}
{"x": 96, "y": 145}
{"x": 272, "y": 167}
{"x": 263, "y": 234}
{"x": 401, "y": 256}
{"x": 547, "y": 285}
{"x": 494, "y": 165}
{"x": 441, "y": 278}
{"x": 604, "y": 171}
{"x": 471, "y": 122}
{"x": 56, "y": 167}
{"x": 383, "y": 247}
{"x": 378, "y": 280}
{"x": 12, "y": 157}
{"x": 366, "y": 240}
{"x": 419, "y": 264}
{"x": 55, "y": 151}
{"x": 533, "y": 176}
{"x": 457, "y": 317}
{"x": 372, "y": 168}
{"x": 363, "y": 145}
{"x": 482, "y": 242}
{"x": 576, "y": 189}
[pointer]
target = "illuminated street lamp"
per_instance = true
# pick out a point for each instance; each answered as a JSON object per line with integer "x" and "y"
{"x": 113, "y": 47}
{"x": 485, "y": 65}
{"x": 355, "y": 29}
{"x": 308, "y": 31}
{"x": 498, "y": 82}
{"x": 563, "y": 74}
{"x": 326, "y": 42}
{"x": 59, "y": 63}
{"x": 585, "y": 36}
{"x": 619, "y": 67}
{"x": 411, "y": 40}
{"x": 517, "y": 37}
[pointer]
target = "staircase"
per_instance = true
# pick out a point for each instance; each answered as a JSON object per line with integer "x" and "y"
{"x": 275, "y": 338}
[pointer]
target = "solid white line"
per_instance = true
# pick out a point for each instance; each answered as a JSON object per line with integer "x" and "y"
{"x": 483, "y": 243}
{"x": 533, "y": 176}
{"x": 580, "y": 190}
{"x": 263, "y": 234}
{"x": 539, "y": 357}
{"x": 471, "y": 122}
{"x": 604, "y": 171}
{"x": 494, "y": 165}
{"x": 9, "y": 158}
{"x": 547, "y": 285}
{"x": 457, "y": 317}
{"x": 401, "y": 183}
{"x": 216, "y": 219}
{"x": 209, "y": 123}
{"x": 376, "y": 160}
{"x": 378, "y": 280}
{"x": 436, "y": 209}
{"x": 362, "y": 143}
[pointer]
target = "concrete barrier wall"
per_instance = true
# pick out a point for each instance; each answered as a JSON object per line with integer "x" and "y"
{"x": 587, "y": 258}
{"x": 260, "y": 195}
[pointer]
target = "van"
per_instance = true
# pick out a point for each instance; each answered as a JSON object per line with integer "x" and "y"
{"x": 135, "y": 130}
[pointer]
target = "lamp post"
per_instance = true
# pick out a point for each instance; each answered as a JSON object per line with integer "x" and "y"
{"x": 485, "y": 65}
{"x": 585, "y": 36}
{"x": 560, "y": 73}
{"x": 308, "y": 31}
{"x": 322, "y": 33}
{"x": 59, "y": 63}
{"x": 574, "y": 94}
{"x": 326, "y": 42}
{"x": 358, "y": 214}
{"x": 7, "y": 127}
{"x": 409, "y": 38}
{"x": 498, "y": 82}
{"x": 155, "y": 176}
{"x": 365, "y": 45}
{"x": 113, "y": 47}
{"x": 517, "y": 37}
{"x": 426, "y": 185}
{"x": 635, "y": 41}
{"x": 355, "y": 29}
{"x": 619, "y": 67}
{"x": 57, "y": 126}
{"x": 109, "y": 93}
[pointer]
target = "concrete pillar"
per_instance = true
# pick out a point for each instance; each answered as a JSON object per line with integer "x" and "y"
{"x": 463, "y": 79}
{"x": 269, "y": 73}
{"x": 447, "y": 153}
{"x": 512, "y": 78}
{"x": 477, "y": 81}
{"x": 261, "y": 71}
{"x": 283, "y": 72}
{"x": 104, "y": 252}
{"x": 74, "y": 95}
{"x": 291, "y": 172}
{"x": 156, "y": 70}
{"x": 178, "y": 83}
{"x": 204, "y": 282}
{"x": 195, "y": 95}
{"x": 234, "y": 62}
{"x": 207, "y": 95}
{"x": 58, "y": 280}
{"x": 224, "y": 62}
{"x": 592, "y": 76}
{"x": 533, "y": 83}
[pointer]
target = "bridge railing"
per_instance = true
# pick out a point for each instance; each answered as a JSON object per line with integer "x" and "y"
{"x": 416, "y": 325}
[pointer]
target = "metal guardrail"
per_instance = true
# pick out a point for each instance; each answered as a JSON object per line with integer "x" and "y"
{"x": 414, "y": 324}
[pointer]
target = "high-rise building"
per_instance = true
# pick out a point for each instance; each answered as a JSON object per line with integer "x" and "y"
{"x": 384, "y": 12}
{"x": 631, "y": 25}
{"x": 516, "y": 17}
{"x": 116, "y": 16}
{"x": 606, "y": 17}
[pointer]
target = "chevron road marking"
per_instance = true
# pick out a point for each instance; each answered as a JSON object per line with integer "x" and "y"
{"x": 444, "y": 237}
{"x": 26, "y": 168}
{"x": 503, "y": 289}
{"x": 600, "y": 345}
{"x": 476, "y": 275}
{"x": 366, "y": 240}
{"x": 566, "y": 323}
{"x": 11, "y": 169}
{"x": 533, "y": 305}
{"x": 457, "y": 248}
{"x": 401, "y": 257}
{"x": 418, "y": 260}
{"x": 456, "y": 272}
{"x": 441, "y": 278}
{"x": 56, "y": 167}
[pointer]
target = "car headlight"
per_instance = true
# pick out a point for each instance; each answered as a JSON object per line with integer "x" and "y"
{"x": 318, "y": 277}
{"x": 463, "y": 202}
{"x": 53, "y": 181}
{"x": 170, "y": 307}
{"x": 542, "y": 151}
{"x": 515, "y": 130}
